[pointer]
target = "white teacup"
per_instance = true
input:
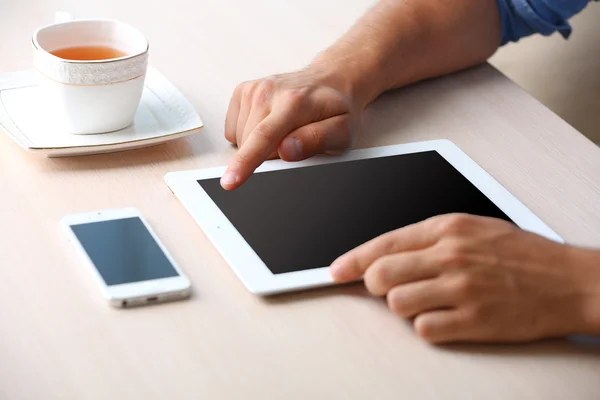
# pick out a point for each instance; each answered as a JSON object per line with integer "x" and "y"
{"x": 98, "y": 95}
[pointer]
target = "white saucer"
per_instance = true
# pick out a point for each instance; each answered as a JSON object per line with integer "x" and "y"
{"x": 163, "y": 114}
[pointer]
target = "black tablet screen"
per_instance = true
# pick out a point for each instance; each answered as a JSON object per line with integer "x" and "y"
{"x": 303, "y": 218}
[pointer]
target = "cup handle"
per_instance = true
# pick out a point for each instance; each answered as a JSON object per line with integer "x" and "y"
{"x": 62, "y": 16}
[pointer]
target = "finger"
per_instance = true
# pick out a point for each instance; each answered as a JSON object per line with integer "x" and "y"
{"x": 260, "y": 106}
{"x": 258, "y": 147}
{"x": 398, "y": 269}
{"x": 352, "y": 265}
{"x": 233, "y": 112}
{"x": 419, "y": 297}
{"x": 257, "y": 114}
{"x": 331, "y": 134}
{"x": 245, "y": 108}
{"x": 443, "y": 326}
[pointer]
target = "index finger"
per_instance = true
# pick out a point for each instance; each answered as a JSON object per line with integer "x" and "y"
{"x": 259, "y": 146}
{"x": 353, "y": 265}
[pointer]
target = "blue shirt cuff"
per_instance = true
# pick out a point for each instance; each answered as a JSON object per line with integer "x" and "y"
{"x": 522, "y": 18}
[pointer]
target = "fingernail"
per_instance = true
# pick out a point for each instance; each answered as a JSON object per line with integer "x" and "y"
{"x": 229, "y": 178}
{"x": 292, "y": 148}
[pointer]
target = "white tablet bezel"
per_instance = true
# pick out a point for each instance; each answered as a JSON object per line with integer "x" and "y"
{"x": 254, "y": 273}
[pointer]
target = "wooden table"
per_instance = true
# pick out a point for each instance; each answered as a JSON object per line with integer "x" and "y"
{"x": 58, "y": 340}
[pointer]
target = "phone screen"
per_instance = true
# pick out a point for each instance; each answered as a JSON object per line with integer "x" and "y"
{"x": 123, "y": 251}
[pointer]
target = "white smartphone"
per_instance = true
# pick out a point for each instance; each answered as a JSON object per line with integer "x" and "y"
{"x": 129, "y": 262}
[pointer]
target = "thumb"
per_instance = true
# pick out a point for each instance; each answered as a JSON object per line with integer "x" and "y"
{"x": 329, "y": 135}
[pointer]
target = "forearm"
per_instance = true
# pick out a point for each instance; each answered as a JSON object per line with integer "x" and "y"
{"x": 399, "y": 42}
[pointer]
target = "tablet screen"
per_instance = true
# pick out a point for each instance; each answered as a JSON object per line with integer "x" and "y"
{"x": 303, "y": 218}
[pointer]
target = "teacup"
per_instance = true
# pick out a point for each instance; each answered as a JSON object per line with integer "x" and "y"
{"x": 92, "y": 73}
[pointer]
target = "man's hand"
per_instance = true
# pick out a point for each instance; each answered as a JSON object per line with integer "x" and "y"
{"x": 293, "y": 116}
{"x": 470, "y": 278}
{"x": 314, "y": 111}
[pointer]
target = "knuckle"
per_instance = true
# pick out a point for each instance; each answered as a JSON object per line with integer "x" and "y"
{"x": 242, "y": 159}
{"x": 296, "y": 97}
{"x": 394, "y": 303}
{"x": 377, "y": 278}
{"x": 269, "y": 83}
{"x": 244, "y": 88}
{"x": 472, "y": 315}
{"x": 316, "y": 135}
{"x": 264, "y": 132}
{"x": 464, "y": 286}
{"x": 455, "y": 224}
{"x": 397, "y": 303}
{"x": 230, "y": 136}
{"x": 345, "y": 127}
{"x": 388, "y": 242}
{"x": 239, "y": 89}
{"x": 425, "y": 330}
{"x": 263, "y": 91}
{"x": 353, "y": 266}
{"x": 455, "y": 255}
{"x": 344, "y": 130}
{"x": 247, "y": 91}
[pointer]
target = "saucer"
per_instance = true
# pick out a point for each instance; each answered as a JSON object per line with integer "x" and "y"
{"x": 163, "y": 114}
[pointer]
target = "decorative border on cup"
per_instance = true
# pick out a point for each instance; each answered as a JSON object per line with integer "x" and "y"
{"x": 90, "y": 73}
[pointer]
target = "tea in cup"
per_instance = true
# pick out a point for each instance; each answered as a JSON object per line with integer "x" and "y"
{"x": 92, "y": 73}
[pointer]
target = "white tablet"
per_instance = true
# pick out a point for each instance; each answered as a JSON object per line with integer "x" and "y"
{"x": 282, "y": 229}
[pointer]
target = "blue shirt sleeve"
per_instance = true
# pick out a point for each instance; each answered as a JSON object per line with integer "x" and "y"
{"x": 522, "y": 18}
